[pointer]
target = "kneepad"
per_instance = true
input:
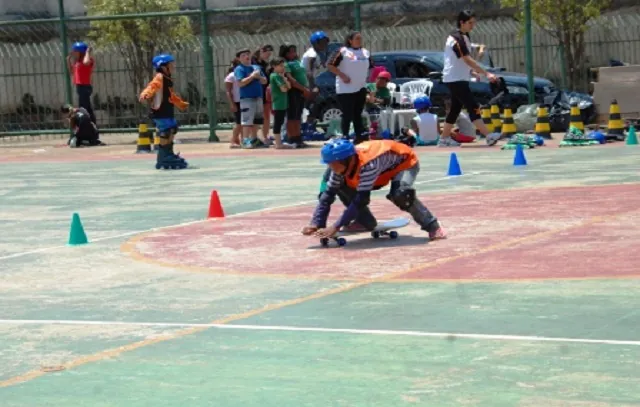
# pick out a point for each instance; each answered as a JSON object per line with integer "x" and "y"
{"x": 166, "y": 133}
{"x": 402, "y": 197}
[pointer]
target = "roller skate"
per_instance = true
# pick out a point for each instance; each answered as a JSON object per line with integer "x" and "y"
{"x": 311, "y": 133}
{"x": 168, "y": 160}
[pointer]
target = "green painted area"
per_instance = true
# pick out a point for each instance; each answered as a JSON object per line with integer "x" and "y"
{"x": 229, "y": 368}
{"x": 590, "y": 309}
{"x": 239, "y": 367}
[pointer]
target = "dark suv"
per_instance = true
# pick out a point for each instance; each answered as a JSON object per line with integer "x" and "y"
{"x": 406, "y": 66}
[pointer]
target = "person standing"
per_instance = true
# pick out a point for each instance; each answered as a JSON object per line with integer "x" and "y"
{"x": 251, "y": 81}
{"x": 261, "y": 58}
{"x": 295, "y": 73}
{"x": 459, "y": 66}
{"x": 351, "y": 64}
{"x": 314, "y": 61}
{"x": 81, "y": 64}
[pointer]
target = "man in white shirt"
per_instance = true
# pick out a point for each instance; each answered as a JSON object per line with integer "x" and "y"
{"x": 459, "y": 66}
{"x": 314, "y": 61}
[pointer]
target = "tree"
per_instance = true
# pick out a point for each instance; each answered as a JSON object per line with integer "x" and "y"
{"x": 567, "y": 21}
{"x": 138, "y": 40}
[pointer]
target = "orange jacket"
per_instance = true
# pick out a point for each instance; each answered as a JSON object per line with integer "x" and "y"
{"x": 154, "y": 90}
{"x": 370, "y": 150}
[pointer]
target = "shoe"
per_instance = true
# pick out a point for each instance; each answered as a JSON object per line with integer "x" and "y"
{"x": 437, "y": 234}
{"x": 448, "y": 142}
{"x": 493, "y": 138}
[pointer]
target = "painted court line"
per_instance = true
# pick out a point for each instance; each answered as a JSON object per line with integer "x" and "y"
{"x": 195, "y": 222}
{"x": 115, "y": 352}
{"x": 382, "y": 332}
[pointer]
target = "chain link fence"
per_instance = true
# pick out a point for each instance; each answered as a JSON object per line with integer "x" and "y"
{"x": 35, "y": 80}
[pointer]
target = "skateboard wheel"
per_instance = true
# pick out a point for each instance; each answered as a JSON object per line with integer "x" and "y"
{"x": 324, "y": 242}
{"x": 393, "y": 234}
{"x": 341, "y": 241}
{"x": 375, "y": 235}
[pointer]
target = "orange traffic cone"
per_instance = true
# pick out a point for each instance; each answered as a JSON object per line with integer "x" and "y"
{"x": 215, "y": 207}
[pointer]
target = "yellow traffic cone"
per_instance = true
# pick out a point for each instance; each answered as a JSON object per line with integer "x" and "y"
{"x": 615, "y": 128}
{"x": 575, "y": 119}
{"x": 508, "y": 125}
{"x": 543, "y": 128}
{"x": 144, "y": 140}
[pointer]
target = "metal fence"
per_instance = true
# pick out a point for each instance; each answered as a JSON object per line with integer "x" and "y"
{"x": 35, "y": 80}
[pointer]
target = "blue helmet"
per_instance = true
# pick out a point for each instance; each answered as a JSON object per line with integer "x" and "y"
{"x": 422, "y": 102}
{"x": 79, "y": 47}
{"x": 336, "y": 150}
{"x": 317, "y": 37}
{"x": 162, "y": 59}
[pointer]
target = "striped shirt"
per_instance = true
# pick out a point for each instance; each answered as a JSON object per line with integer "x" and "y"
{"x": 369, "y": 173}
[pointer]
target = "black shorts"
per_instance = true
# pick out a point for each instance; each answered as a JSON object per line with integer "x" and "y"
{"x": 296, "y": 105}
{"x": 236, "y": 114}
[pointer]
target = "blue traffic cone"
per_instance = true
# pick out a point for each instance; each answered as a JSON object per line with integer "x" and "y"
{"x": 454, "y": 166}
{"x": 519, "y": 158}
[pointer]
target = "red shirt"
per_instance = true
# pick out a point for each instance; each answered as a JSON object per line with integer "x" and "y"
{"x": 82, "y": 73}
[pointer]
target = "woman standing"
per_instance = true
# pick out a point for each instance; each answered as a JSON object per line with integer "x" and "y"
{"x": 457, "y": 72}
{"x": 81, "y": 65}
{"x": 351, "y": 64}
{"x": 261, "y": 58}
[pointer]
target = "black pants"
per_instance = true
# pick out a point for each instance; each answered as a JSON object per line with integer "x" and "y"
{"x": 352, "y": 105}
{"x": 346, "y": 195}
{"x": 84, "y": 99}
{"x": 278, "y": 120}
{"x": 461, "y": 96}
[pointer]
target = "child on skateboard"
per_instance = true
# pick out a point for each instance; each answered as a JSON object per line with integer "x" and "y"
{"x": 370, "y": 165}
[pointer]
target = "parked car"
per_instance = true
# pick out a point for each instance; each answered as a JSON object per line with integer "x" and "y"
{"x": 406, "y": 66}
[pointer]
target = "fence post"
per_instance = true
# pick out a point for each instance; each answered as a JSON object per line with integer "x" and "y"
{"x": 356, "y": 15}
{"x": 207, "y": 56}
{"x": 65, "y": 52}
{"x": 528, "y": 43}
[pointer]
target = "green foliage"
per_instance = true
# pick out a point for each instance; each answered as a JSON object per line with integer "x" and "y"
{"x": 138, "y": 40}
{"x": 567, "y": 21}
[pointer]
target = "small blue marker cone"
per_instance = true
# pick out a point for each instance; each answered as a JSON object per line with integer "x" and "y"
{"x": 519, "y": 158}
{"x": 454, "y": 166}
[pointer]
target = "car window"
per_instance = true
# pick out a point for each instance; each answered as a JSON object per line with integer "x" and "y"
{"x": 406, "y": 68}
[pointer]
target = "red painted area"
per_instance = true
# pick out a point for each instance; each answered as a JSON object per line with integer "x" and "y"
{"x": 603, "y": 250}
{"x": 270, "y": 243}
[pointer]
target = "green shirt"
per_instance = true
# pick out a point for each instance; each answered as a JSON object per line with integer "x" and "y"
{"x": 381, "y": 93}
{"x": 279, "y": 99}
{"x": 298, "y": 72}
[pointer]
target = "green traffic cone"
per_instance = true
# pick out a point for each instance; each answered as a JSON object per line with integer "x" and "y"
{"x": 632, "y": 138}
{"x": 77, "y": 235}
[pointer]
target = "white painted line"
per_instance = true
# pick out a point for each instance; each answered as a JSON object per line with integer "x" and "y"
{"x": 195, "y": 222}
{"x": 446, "y": 335}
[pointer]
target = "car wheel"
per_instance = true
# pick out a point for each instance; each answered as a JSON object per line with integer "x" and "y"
{"x": 330, "y": 112}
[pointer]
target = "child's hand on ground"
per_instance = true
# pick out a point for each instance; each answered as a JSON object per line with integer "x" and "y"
{"x": 327, "y": 232}
{"x": 309, "y": 230}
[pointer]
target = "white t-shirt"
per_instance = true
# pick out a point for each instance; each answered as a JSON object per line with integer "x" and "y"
{"x": 427, "y": 126}
{"x": 319, "y": 65}
{"x": 355, "y": 63}
{"x": 231, "y": 78}
{"x": 455, "y": 69}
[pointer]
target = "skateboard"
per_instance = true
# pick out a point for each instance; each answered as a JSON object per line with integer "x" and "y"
{"x": 383, "y": 229}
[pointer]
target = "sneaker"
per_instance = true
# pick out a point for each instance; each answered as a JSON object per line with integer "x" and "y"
{"x": 493, "y": 138}
{"x": 438, "y": 234}
{"x": 448, "y": 142}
